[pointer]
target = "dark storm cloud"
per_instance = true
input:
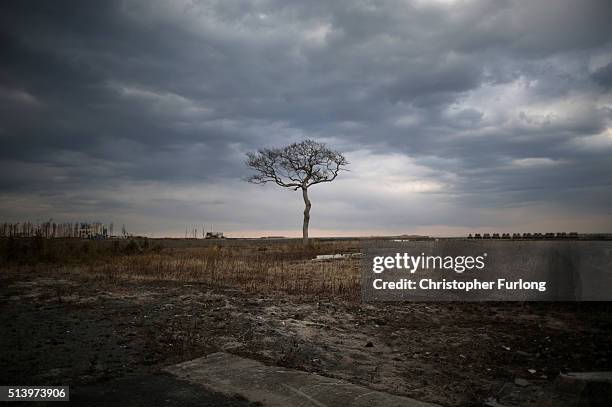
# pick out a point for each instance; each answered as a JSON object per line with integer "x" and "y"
{"x": 603, "y": 76}
{"x": 503, "y": 103}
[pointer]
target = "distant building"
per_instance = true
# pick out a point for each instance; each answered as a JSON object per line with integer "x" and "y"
{"x": 214, "y": 235}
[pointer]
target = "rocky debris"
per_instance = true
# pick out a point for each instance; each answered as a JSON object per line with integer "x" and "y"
{"x": 521, "y": 382}
{"x": 491, "y": 402}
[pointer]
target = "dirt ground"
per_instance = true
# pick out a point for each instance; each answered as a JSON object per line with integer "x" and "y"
{"x": 78, "y": 330}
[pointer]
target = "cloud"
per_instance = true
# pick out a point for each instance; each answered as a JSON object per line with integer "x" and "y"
{"x": 535, "y": 162}
{"x": 142, "y": 111}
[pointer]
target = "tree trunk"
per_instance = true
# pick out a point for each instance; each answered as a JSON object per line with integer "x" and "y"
{"x": 306, "y": 216}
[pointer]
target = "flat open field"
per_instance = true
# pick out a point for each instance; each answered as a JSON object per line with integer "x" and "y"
{"x": 78, "y": 312}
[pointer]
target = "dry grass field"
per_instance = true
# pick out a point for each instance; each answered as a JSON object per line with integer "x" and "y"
{"x": 254, "y": 266}
{"x": 287, "y": 268}
{"x": 81, "y": 312}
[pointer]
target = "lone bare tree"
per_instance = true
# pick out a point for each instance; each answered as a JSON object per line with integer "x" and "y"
{"x": 297, "y": 166}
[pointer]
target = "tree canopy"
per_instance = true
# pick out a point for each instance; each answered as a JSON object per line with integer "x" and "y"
{"x": 299, "y": 165}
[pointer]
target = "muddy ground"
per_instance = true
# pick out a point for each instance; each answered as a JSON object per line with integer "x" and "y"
{"x": 73, "y": 329}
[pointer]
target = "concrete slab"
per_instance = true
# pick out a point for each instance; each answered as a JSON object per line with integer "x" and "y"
{"x": 276, "y": 386}
{"x": 161, "y": 390}
{"x": 591, "y": 388}
{"x": 593, "y": 377}
{"x": 339, "y": 256}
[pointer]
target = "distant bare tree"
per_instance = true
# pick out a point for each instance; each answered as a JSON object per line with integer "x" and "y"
{"x": 297, "y": 166}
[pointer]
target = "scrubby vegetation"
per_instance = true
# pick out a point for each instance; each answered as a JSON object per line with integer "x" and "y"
{"x": 285, "y": 266}
{"x": 38, "y": 250}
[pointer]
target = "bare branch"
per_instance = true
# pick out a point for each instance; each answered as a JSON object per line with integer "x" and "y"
{"x": 298, "y": 165}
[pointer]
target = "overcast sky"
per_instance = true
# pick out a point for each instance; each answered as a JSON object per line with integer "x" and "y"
{"x": 456, "y": 116}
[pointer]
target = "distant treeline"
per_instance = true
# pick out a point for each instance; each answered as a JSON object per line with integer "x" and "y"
{"x": 50, "y": 229}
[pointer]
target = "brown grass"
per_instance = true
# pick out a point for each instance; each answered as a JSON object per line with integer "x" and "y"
{"x": 286, "y": 268}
